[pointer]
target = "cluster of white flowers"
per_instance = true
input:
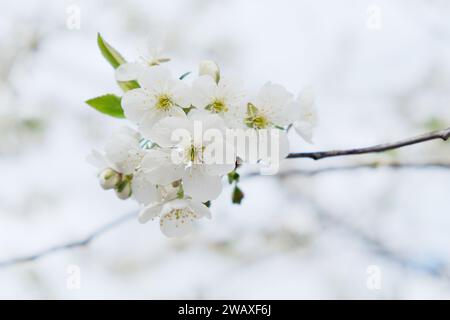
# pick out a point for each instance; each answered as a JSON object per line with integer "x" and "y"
{"x": 175, "y": 176}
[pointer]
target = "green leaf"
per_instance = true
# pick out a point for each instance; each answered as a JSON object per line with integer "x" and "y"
{"x": 108, "y": 104}
{"x": 233, "y": 176}
{"x": 207, "y": 203}
{"x": 237, "y": 195}
{"x": 115, "y": 59}
{"x": 111, "y": 55}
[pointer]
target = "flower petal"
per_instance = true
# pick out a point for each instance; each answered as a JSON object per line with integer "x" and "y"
{"x": 136, "y": 103}
{"x": 155, "y": 78}
{"x": 176, "y": 224}
{"x": 176, "y": 112}
{"x": 162, "y": 131}
{"x": 158, "y": 167}
{"x": 305, "y": 130}
{"x": 97, "y": 159}
{"x": 150, "y": 212}
{"x": 143, "y": 190}
{"x": 200, "y": 186}
{"x": 128, "y": 71}
{"x": 219, "y": 158}
{"x": 123, "y": 150}
{"x": 276, "y": 150}
{"x": 203, "y": 91}
{"x": 180, "y": 92}
{"x": 200, "y": 209}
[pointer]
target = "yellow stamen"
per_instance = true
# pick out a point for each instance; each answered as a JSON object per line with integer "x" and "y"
{"x": 218, "y": 106}
{"x": 255, "y": 119}
{"x": 164, "y": 103}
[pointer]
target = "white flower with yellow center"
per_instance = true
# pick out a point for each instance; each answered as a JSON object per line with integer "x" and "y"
{"x": 224, "y": 98}
{"x": 119, "y": 167}
{"x": 160, "y": 96}
{"x": 176, "y": 217}
{"x": 153, "y": 55}
{"x": 274, "y": 106}
{"x": 268, "y": 113}
{"x": 193, "y": 150}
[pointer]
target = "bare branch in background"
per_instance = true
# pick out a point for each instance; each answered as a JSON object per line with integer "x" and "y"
{"x": 70, "y": 245}
{"x": 369, "y": 165}
{"x": 434, "y": 135}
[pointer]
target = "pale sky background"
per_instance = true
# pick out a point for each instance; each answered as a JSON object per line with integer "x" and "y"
{"x": 380, "y": 71}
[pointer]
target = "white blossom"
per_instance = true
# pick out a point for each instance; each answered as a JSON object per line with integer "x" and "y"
{"x": 199, "y": 169}
{"x": 153, "y": 56}
{"x": 308, "y": 117}
{"x": 268, "y": 113}
{"x": 123, "y": 152}
{"x": 176, "y": 160}
{"x": 119, "y": 166}
{"x": 176, "y": 217}
{"x": 160, "y": 96}
{"x": 273, "y": 106}
{"x": 210, "y": 68}
{"x": 224, "y": 98}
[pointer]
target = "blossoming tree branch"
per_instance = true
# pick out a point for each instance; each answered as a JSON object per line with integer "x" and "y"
{"x": 186, "y": 134}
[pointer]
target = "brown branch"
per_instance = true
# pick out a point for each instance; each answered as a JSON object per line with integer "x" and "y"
{"x": 440, "y": 134}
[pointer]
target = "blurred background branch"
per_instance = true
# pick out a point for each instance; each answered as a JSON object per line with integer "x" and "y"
{"x": 396, "y": 165}
{"x": 69, "y": 245}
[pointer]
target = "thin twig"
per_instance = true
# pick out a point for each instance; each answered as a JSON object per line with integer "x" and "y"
{"x": 370, "y": 165}
{"x": 373, "y": 165}
{"x": 69, "y": 245}
{"x": 440, "y": 134}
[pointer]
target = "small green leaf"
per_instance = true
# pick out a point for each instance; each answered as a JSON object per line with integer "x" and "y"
{"x": 233, "y": 176}
{"x": 180, "y": 193}
{"x": 115, "y": 59}
{"x": 237, "y": 195}
{"x": 207, "y": 203}
{"x": 108, "y": 104}
{"x": 111, "y": 55}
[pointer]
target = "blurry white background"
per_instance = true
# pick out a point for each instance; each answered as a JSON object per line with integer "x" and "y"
{"x": 380, "y": 71}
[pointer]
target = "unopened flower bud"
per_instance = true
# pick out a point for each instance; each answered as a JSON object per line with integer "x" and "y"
{"x": 109, "y": 179}
{"x": 208, "y": 67}
{"x": 123, "y": 190}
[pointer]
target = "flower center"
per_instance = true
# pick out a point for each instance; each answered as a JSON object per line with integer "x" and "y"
{"x": 217, "y": 106}
{"x": 255, "y": 119}
{"x": 164, "y": 103}
{"x": 180, "y": 216}
{"x": 194, "y": 154}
